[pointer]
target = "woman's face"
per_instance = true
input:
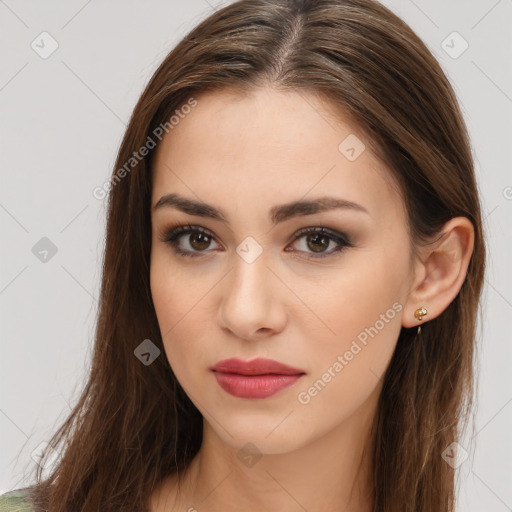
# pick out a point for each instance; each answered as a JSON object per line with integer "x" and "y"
{"x": 250, "y": 285}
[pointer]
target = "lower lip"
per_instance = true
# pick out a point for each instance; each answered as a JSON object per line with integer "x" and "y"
{"x": 254, "y": 386}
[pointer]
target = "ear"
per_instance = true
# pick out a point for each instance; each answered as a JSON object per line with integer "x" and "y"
{"x": 440, "y": 271}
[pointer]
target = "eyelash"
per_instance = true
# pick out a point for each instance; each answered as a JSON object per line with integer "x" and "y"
{"x": 173, "y": 234}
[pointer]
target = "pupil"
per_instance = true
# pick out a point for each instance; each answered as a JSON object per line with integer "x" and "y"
{"x": 316, "y": 238}
{"x": 203, "y": 244}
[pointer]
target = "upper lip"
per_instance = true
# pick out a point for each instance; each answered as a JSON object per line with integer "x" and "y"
{"x": 258, "y": 366}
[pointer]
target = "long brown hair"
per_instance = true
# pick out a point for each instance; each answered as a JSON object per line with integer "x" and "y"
{"x": 133, "y": 424}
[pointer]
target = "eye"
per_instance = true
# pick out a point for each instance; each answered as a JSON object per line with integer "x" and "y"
{"x": 198, "y": 239}
{"x": 317, "y": 239}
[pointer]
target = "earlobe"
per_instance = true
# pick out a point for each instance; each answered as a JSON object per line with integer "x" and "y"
{"x": 443, "y": 269}
{"x": 420, "y": 313}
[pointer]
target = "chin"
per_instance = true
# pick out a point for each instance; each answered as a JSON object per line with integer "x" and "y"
{"x": 268, "y": 435}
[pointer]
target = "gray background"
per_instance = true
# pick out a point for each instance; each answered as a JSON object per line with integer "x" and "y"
{"x": 61, "y": 121}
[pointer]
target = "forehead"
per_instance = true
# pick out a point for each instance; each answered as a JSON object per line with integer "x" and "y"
{"x": 266, "y": 146}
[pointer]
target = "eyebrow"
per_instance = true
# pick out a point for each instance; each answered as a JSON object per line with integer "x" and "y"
{"x": 279, "y": 213}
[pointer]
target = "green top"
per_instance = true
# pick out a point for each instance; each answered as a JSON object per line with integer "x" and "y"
{"x": 16, "y": 501}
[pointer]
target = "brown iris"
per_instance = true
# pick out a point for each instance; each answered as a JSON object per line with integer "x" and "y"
{"x": 203, "y": 241}
{"x": 317, "y": 239}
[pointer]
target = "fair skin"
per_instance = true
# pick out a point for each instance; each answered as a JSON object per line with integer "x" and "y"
{"x": 244, "y": 154}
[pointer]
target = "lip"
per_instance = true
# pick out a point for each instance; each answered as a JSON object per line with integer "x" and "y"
{"x": 258, "y": 366}
{"x": 258, "y": 378}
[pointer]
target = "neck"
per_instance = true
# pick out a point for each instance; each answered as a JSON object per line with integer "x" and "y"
{"x": 331, "y": 472}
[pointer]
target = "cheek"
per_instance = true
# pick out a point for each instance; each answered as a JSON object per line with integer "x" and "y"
{"x": 175, "y": 292}
{"x": 179, "y": 302}
{"x": 361, "y": 309}
{"x": 368, "y": 289}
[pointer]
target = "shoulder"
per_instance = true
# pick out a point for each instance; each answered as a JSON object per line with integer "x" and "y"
{"x": 16, "y": 501}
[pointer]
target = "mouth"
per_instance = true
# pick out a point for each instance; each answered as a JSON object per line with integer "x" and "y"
{"x": 256, "y": 379}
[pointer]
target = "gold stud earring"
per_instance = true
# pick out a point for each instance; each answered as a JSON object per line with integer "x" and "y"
{"x": 420, "y": 313}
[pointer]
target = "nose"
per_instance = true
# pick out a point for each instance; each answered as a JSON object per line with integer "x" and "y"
{"x": 251, "y": 305}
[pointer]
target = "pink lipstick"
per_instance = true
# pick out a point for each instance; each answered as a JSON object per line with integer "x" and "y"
{"x": 258, "y": 378}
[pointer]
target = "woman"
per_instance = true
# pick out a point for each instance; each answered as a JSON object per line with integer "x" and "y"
{"x": 293, "y": 266}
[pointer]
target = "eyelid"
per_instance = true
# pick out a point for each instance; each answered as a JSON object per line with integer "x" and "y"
{"x": 168, "y": 233}
{"x": 322, "y": 230}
